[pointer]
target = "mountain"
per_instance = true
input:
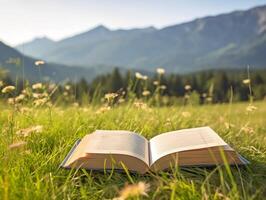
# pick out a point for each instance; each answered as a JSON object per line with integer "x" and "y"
{"x": 38, "y": 46}
{"x": 18, "y": 65}
{"x": 232, "y": 40}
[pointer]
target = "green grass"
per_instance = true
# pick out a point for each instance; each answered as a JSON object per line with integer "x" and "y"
{"x": 32, "y": 172}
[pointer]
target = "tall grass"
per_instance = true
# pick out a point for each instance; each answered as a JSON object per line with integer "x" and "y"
{"x": 31, "y": 170}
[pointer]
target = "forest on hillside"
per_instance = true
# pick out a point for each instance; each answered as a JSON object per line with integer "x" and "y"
{"x": 199, "y": 88}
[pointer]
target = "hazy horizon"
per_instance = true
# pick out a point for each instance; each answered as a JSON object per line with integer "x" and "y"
{"x": 22, "y": 21}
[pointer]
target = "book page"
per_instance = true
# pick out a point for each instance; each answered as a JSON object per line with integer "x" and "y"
{"x": 183, "y": 140}
{"x": 118, "y": 142}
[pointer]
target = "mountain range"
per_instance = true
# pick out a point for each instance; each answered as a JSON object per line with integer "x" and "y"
{"x": 21, "y": 66}
{"x": 231, "y": 40}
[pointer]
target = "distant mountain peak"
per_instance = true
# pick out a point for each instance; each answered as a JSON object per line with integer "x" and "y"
{"x": 100, "y": 28}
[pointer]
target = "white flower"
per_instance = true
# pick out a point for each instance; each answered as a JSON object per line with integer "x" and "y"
{"x": 8, "y": 89}
{"x": 39, "y": 62}
{"x": 138, "y": 75}
{"x": 187, "y": 87}
{"x": 163, "y": 87}
{"x": 160, "y": 71}
{"x": 67, "y": 87}
{"x": 155, "y": 82}
{"x": 37, "y": 86}
{"x": 146, "y": 93}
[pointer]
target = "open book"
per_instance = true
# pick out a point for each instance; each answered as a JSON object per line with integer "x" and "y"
{"x": 106, "y": 149}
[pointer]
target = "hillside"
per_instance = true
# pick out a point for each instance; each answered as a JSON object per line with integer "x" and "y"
{"x": 231, "y": 40}
{"x": 19, "y": 65}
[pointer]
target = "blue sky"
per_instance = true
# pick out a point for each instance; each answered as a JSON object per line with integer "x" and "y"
{"x": 23, "y": 20}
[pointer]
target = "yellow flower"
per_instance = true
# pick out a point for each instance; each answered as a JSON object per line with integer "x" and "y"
{"x": 39, "y": 62}
{"x": 187, "y": 87}
{"x": 134, "y": 190}
{"x": 160, "y": 70}
{"x": 246, "y": 81}
{"x": 8, "y": 89}
{"x": 146, "y": 93}
{"x": 251, "y": 108}
{"x": 37, "y": 86}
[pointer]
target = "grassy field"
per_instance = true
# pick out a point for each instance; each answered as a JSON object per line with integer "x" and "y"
{"x": 30, "y": 157}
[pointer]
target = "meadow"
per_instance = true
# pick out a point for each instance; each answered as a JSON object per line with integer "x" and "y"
{"x": 35, "y": 140}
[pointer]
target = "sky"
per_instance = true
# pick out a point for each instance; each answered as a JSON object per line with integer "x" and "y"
{"x": 24, "y": 20}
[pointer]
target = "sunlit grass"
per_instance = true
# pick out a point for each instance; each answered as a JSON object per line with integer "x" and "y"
{"x": 29, "y": 168}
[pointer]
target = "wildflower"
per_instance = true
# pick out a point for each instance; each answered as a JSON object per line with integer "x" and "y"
{"x": 186, "y": 114}
{"x": 134, "y": 190}
{"x": 187, "y": 87}
{"x": 163, "y": 87}
{"x": 155, "y": 82}
{"x": 11, "y": 101}
{"x": 28, "y": 131}
{"x": 40, "y": 102}
{"x": 8, "y": 89}
{"x": 146, "y": 93}
{"x": 40, "y": 95}
{"x": 160, "y": 71}
{"x": 103, "y": 109}
{"x": 51, "y": 86}
{"x": 1, "y": 83}
{"x": 39, "y": 62}
{"x": 145, "y": 78}
{"x": 26, "y": 92}
{"x": 209, "y": 99}
{"x": 17, "y": 145}
{"x": 204, "y": 95}
{"x": 246, "y": 81}
{"x": 25, "y": 110}
{"x": 138, "y": 75}
{"x": 20, "y": 98}
{"x": 37, "y": 86}
{"x": 67, "y": 87}
{"x": 251, "y": 108}
{"x": 248, "y": 130}
{"x": 140, "y": 105}
{"x": 110, "y": 96}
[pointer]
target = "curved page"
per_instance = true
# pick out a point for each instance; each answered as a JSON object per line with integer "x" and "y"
{"x": 117, "y": 142}
{"x": 183, "y": 140}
